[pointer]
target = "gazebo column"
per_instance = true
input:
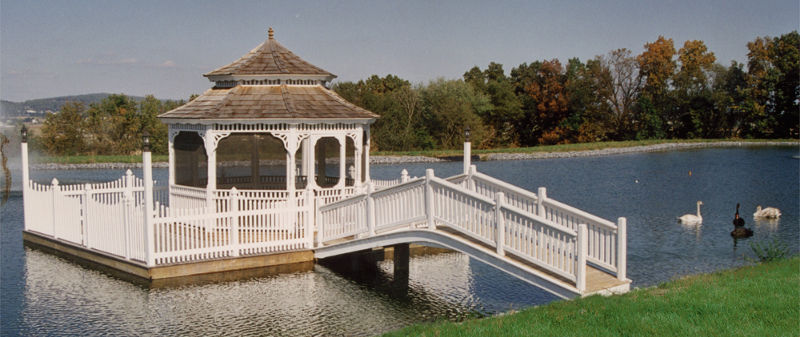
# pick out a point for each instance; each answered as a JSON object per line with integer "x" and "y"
{"x": 171, "y": 148}
{"x": 291, "y": 144}
{"x": 357, "y": 161}
{"x": 310, "y": 152}
{"x": 210, "y": 142}
{"x": 342, "y": 161}
{"x": 255, "y": 163}
{"x": 307, "y": 164}
{"x": 366, "y": 153}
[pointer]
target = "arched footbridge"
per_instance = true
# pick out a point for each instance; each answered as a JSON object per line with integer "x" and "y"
{"x": 556, "y": 247}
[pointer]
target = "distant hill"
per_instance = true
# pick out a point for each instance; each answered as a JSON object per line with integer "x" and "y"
{"x": 43, "y": 105}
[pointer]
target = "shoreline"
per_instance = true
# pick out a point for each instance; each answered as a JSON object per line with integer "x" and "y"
{"x": 393, "y": 160}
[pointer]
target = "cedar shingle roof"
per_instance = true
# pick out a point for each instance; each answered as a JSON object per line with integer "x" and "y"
{"x": 270, "y": 58}
{"x": 269, "y": 102}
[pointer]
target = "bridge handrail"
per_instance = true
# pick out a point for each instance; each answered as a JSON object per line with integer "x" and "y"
{"x": 606, "y": 243}
{"x": 355, "y": 198}
{"x": 555, "y": 226}
{"x": 580, "y": 213}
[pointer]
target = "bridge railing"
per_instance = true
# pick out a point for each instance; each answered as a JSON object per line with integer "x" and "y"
{"x": 432, "y": 203}
{"x": 607, "y": 246}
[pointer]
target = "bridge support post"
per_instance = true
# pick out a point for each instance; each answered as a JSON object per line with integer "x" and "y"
{"x": 370, "y": 209}
{"x": 540, "y": 197}
{"x": 501, "y": 223}
{"x": 622, "y": 248}
{"x": 400, "y": 258}
{"x": 429, "y": 198}
{"x": 583, "y": 249}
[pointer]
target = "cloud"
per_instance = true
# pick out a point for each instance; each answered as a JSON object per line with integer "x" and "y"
{"x": 167, "y": 64}
{"x": 109, "y": 60}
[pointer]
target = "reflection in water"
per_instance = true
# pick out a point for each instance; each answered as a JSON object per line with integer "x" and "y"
{"x": 343, "y": 300}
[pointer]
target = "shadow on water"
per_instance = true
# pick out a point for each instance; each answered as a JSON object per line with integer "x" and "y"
{"x": 374, "y": 271}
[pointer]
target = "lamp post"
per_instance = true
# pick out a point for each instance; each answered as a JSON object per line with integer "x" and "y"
{"x": 147, "y": 175}
{"x": 467, "y": 150}
{"x": 25, "y": 173}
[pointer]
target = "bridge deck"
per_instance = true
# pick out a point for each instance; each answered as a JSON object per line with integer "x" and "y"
{"x": 598, "y": 281}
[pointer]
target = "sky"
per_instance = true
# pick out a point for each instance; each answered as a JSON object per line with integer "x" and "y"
{"x": 58, "y": 48}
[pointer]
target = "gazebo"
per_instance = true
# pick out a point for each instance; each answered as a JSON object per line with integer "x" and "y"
{"x": 269, "y": 127}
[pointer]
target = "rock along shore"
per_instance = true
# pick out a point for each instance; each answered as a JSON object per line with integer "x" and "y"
{"x": 391, "y": 160}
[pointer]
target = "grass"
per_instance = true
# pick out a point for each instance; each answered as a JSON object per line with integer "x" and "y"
{"x": 82, "y": 159}
{"x": 758, "y": 300}
{"x": 567, "y": 147}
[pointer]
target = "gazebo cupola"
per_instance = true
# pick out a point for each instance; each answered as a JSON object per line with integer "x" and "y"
{"x": 269, "y": 123}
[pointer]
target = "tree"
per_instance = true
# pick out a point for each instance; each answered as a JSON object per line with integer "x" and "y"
{"x": 506, "y": 109}
{"x": 657, "y": 67}
{"x": 692, "y": 90}
{"x": 549, "y": 93}
{"x": 622, "y": 89}
{"x": 63, "y": 132}
{"x": 451, "y": 105}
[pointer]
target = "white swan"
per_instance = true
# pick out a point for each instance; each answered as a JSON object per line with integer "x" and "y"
{"x": 691, "y": 219}
{"x": 769, "y": 213}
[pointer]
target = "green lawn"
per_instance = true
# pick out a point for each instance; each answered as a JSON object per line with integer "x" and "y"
{"x": 759, "y": 300}
{"x": 80, "y": 159}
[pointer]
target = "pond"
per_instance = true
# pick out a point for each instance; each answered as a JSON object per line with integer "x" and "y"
{"x": 44, "y": 295}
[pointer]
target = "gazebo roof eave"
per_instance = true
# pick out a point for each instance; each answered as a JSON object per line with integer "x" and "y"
{"x": 210, "y": 121}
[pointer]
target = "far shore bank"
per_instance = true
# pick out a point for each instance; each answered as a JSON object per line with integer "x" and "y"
{"x": 484, "y": 155}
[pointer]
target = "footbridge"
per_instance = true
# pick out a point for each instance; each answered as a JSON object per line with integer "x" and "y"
{"x": 556, "y": 247}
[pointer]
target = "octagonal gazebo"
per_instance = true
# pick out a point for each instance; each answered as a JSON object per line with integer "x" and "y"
{"x": 269, "y": 127}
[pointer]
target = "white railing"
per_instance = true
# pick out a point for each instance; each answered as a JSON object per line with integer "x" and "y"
{"x": 187, "y": 197}
{"x": 606, "y": 240}
{"x": 433, "y": 202}
{"x": 108, "y": 217}
{"x": 243, "y": 228}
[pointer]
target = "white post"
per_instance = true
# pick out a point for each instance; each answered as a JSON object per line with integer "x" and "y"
{"x": 467, "y": 156}
{"x": 351, "y": 171}
{"x": 210, "y": 144}
{"x": 234, "y": 230}
{"x": 309, "y": 218}
{"x": 583, "y": 248}
{"x": 25, "y": 175}
{"x": 342, "y": 161}
{"x": 622, "y": 248}
{"x": 318, "y": 222}
{"x": 471, "y": 182}
{"x": 149, "y": 242}
{"x": 403, "y": 176}
{"x": 87, "y": 195}
{"x": 540, "y": 197}
{"x": 127, "y": 202}
{"x": 501, "y": 223}
{"x": 429, "y": 204}
{"x": 370, "y": 209}
{"x": 54, "y": 189}
{"x": 366, "y": 154}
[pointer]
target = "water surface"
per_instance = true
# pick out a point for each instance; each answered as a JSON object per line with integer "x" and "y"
{"x": 41, "y": 294}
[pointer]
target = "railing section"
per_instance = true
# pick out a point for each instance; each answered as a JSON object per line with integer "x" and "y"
{"x": 435, "y": 203}
{"x": 107, "y": 217}
{"x": 606, "y": 240}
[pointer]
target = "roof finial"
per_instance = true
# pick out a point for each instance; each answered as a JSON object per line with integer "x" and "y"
{"x": 271, "y": 33}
